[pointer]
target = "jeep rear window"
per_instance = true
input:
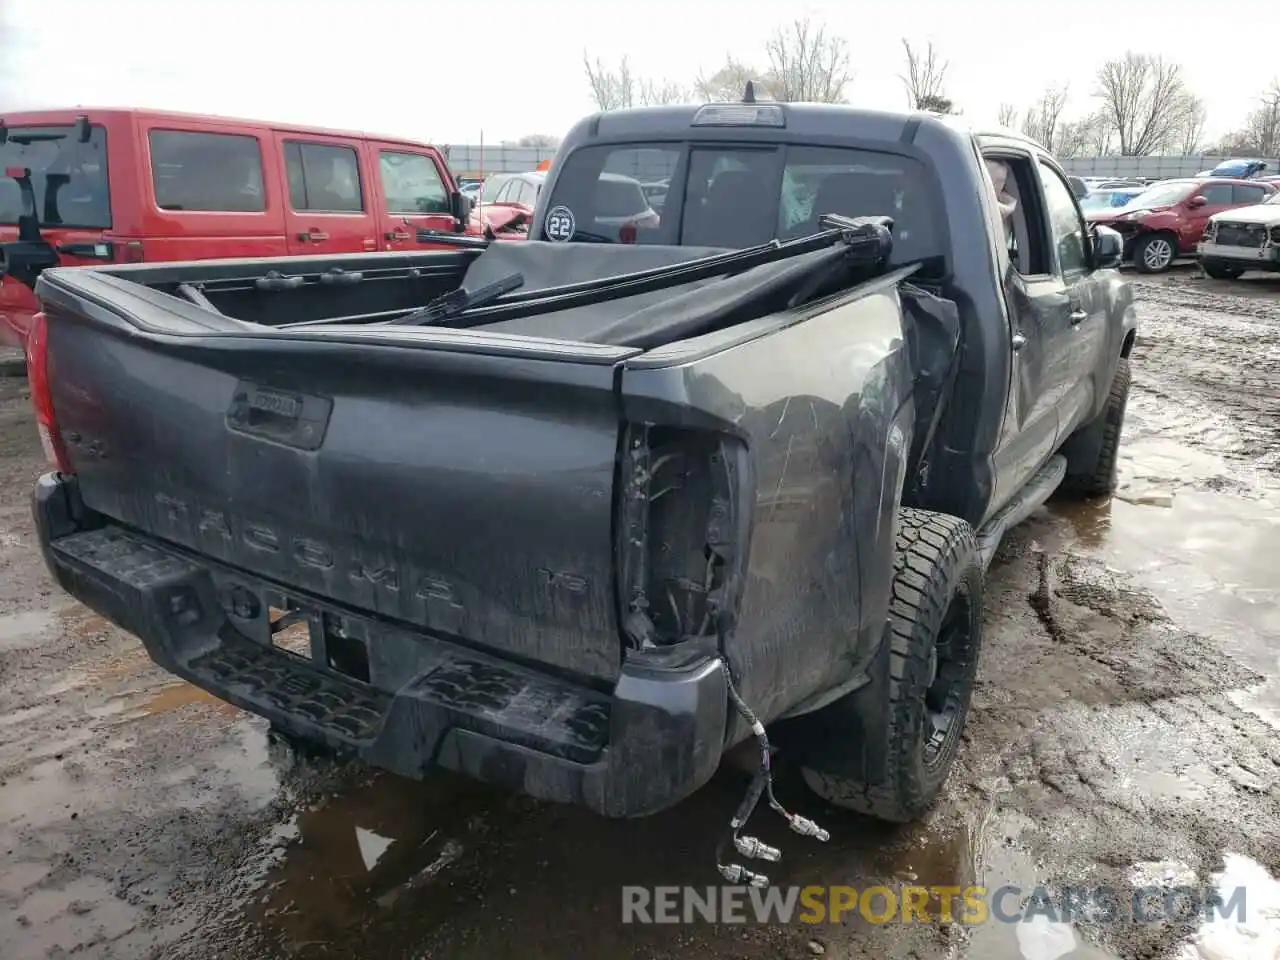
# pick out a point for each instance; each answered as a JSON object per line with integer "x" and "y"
{"x": 738, "y": 195}
{"x": 69, "y": 177}
{"x": 207, "y": 172}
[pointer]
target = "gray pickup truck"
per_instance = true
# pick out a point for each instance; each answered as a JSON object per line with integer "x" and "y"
{"x": 578, "y": 514}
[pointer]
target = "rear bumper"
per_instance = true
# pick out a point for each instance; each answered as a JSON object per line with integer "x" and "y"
{"x": 656, "y": 739}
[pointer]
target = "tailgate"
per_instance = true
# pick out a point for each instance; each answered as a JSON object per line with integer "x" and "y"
{"x": 455, "y": 482}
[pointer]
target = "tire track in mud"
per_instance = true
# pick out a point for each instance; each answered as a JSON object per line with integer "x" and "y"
{"x": 1223, "y": 344}
{"x": 1111, "y": 733}
{"x": 1109, "y": 730}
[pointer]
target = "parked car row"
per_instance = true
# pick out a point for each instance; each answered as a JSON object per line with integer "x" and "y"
{"x": 1168, "y": 219}
{"x": 1242, "y": 239}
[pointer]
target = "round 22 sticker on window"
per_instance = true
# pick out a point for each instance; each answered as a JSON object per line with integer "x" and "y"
{"x": 560, "y": 225}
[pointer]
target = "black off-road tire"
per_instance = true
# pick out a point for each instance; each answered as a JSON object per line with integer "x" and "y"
{"x": 938, "y": 575}
{"x": 1093, "y": 451}
{"x": 1217, "y": 270}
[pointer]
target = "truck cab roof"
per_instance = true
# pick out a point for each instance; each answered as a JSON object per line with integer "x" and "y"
{"x": 800, "y": 121}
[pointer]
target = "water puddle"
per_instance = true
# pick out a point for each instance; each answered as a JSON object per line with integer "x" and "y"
{"x": 25, "y": 628}
{"x": 70, "y": 919}
{"x": 108, "y": 670}
{"x": 173, "y": 696}
{"x": 355, "y": 855}
{"x": 990, "y": 853}
{"x": 1253, "y": 936}
{"x": 1212, "y": 560}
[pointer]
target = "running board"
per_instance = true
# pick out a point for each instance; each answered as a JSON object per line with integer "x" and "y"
{"x": 1031, "y": 497}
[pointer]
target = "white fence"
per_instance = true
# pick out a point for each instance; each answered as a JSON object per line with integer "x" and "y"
{"x": 1156, "y": 168}
{"x": 471, "y": 160}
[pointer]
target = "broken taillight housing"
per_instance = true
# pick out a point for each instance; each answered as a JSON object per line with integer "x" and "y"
{"x": 42, "y": 395}
{"x": 681, "y": 535}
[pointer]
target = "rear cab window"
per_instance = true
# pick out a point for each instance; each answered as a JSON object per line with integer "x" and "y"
{"x": 69, "y": 177}
{"x": 200, "y": 172}
{"x": 738, "y": 195}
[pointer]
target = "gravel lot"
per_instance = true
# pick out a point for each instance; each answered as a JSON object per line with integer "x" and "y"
{"x": 1124, "y": 729}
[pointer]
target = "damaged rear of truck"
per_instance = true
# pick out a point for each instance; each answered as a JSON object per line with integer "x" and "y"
{"x": 594, "y": 516}
{"x": 521, "y": 558}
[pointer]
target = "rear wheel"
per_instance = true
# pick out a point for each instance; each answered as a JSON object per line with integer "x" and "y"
{"x": 1154, "y": 252}
{"x": 1217, "y": 270}
{"x": 906, "y": 724}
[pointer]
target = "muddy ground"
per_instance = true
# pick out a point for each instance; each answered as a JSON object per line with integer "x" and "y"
{"x": 1124, "y": 733}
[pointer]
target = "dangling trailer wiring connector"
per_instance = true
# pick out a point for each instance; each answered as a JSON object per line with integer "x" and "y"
{"x": 761, "y": 785}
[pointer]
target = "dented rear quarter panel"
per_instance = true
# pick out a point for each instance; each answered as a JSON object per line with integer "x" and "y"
{"x": 823, "y": 406}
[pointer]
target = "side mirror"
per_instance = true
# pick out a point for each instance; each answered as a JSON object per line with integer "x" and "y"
{"x": 1108, "y": 248}
{"x": 460, "y": 206}
{"x": 1196, "y": 202}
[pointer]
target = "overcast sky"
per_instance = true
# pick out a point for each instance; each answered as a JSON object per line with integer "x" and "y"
{"x": 447, "y": 71}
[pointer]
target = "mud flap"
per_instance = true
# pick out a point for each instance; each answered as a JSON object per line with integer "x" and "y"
{"x": 933, "y": 338}
{"x": 1084, "y": 446}
{"x": 851, "y": 743}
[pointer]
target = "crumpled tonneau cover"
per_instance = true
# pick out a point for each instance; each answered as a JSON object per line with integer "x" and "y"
{"x": 646, "y": 320}
{"x": 545, "y": 264}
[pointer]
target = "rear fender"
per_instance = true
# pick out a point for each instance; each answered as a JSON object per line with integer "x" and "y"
{"x": 821, "y": 404}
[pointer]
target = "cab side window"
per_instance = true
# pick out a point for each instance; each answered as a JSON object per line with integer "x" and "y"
{"x": 1066, "y": 226}
{"x": 411, "y": 184}
{"x": 1013, "y": 180}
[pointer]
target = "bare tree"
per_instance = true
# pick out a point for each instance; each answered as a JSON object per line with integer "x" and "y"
{"x": 1074, "y": 138}
{"x": 542, "y": 140}
{"x": 1146, "y": 100}
{"x": 1190, "y": 133}
{"x": 1262, "y": 129}
{"x": 1043, "y": 119}
{"x": 655, "y": 93}
{"x": 806, "y": 64}
{"x": 611, "y": 89}
{"x": 924, "y": 79}
{"x": 1099, "y": 134}
{"x": 1007, "y": 116}
{"x": 730, "y": 82}
{"x": 1260, "y": 135}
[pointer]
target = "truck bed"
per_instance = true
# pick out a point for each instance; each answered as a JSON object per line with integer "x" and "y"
{"x": 531, "y": 514}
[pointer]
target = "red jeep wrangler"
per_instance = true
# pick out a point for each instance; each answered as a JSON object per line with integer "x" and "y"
{"x": 89, "y": 186}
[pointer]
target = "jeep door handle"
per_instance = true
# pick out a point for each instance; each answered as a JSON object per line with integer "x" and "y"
{"x": 1018, "y": 342}
{"x": 1078, "y": 316}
